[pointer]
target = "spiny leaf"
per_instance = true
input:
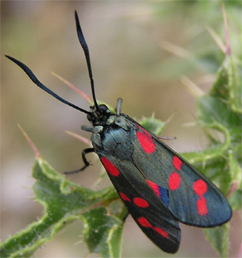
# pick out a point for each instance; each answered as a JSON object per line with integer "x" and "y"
{"x": 63, "y": 201}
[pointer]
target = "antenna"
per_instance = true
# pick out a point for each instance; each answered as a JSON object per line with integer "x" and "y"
{"x": 46, "y": 89}
{"x": 34, "y": 79}
{"x": 86, "y": 52}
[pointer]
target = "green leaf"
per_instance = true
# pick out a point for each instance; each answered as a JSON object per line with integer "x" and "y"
{"x": 235, "y": 199}
{"x": 218, "y": 237}
{"x": 152, "y": 125}
{"x": 103, "y": 233}
{"x": 65, "y": 201}
{"x": 228, "y": 86}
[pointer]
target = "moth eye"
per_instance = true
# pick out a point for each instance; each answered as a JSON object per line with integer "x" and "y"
{"x": 103, "y": 108}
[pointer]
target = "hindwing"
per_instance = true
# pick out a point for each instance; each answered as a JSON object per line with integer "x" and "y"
{"x": 155, "y": 220}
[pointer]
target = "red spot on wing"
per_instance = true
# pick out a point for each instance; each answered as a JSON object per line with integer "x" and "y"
{"x": 145, "y": 140}
{"x": 202, "y": 206}
{"x": 161, "y": 232}
{"x": 124, "y": 197}
{"x": 146, "y": 143}
{"x": 200, "y": 188}
{"x": 112, "y": 170}
{"x": 154, "y": 187}
{"x": 174, "y": 181}
{"x": 177, "y": 162}
{"x": 140, "y": 202}
{"x": 145, "y": 223}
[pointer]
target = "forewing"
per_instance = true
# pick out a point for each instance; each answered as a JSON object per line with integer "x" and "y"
{"x": 143, "y": 204}
{"x": 190, "y": 196}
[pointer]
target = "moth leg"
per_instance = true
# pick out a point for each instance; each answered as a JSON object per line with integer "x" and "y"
{"x": 167, "y": 138}
{"x": 84, "y": 152}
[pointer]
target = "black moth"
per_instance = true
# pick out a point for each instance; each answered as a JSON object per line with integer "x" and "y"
{"x": 158, "y": 187}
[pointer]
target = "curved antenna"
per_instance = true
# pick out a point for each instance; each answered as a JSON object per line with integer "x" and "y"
{"x": 86, "y": 52}
{"x": 34, "y": 79}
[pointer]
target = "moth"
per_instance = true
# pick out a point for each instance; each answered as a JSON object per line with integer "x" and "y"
{"x": 158, "y": 187}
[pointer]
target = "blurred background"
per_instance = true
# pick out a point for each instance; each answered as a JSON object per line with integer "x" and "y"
{"x": 139, "y": 51}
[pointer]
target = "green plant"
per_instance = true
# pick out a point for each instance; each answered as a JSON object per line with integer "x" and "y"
{"x": 102, "y": 212}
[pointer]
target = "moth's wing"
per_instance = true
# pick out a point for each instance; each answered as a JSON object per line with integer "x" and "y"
{"x": 155, "y": 220}
{"x": 190, "y": 196}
